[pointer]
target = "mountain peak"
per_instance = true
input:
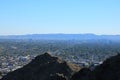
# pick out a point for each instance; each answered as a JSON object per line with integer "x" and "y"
{"x": 44, "y": 67}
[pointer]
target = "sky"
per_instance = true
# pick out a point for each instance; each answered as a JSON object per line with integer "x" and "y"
{"x": 59, "y": 16}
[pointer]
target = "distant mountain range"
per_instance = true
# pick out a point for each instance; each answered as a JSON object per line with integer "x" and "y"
{"x": 63, "y": 37}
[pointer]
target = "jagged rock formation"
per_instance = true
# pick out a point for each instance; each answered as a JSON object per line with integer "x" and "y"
{"x": 47, "y": 67}
{"x": 44, "y": 67}
{"x": 109, "y": 70}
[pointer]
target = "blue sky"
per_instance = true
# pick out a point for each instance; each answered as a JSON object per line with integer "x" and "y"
{"x": 59, "y": 16}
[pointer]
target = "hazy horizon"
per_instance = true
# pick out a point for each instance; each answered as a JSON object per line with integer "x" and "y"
{"x": 58, "y": 34}
{"x": 59, "y": 16}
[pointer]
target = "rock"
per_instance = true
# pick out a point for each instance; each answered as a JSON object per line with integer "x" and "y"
{"x": 47, "y": 67}
{"x": 109, "y": 70}
{"x": 83, "y": 74}
{"x": 57, "y": 76}
{"x": 44, "y": 67}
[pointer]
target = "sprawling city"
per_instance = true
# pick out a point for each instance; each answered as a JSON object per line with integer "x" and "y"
{"x": 16, "y": 52}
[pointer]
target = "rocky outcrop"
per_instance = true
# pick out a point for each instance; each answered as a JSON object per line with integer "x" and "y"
{"x": 44, "y": 67}
{"x": 109, "y": 70}
{"x": 47, "y": 67}
{"x": 83, "y": 74}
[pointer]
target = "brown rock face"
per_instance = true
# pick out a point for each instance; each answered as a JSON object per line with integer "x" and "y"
{"x": 43, "y": 67}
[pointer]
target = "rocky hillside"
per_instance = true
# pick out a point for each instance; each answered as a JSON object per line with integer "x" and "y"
{"x": 44, "y": 67}
{"x": 47, "y": 67}
{"x": 83, "y": 74}
{"x": 109, "y": 70}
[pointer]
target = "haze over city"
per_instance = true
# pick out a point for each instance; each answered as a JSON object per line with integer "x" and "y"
{"x": 59, "y": 16}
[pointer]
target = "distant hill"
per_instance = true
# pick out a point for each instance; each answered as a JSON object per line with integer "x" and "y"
{"x": 63, "y": 37}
